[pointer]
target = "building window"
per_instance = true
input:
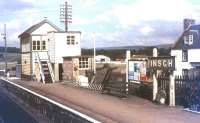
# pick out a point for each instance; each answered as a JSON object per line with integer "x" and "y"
{"x": 185, "y": 72}
{"x": 39, "y": 45}
{"x": 34, "y": 45}
{"x": 83, "y": 63}
{"x": 188, "y": 39}
{"x": 136, "y": 69}
{"x": 184, "y": 55}
{"x": 43, "y": 45}
{"x": 70, "y": 40}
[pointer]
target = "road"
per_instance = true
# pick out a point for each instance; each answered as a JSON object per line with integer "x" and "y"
{"x": 10, "y": 112}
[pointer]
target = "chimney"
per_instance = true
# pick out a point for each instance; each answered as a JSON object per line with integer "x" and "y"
{"x": 187, "y": 23}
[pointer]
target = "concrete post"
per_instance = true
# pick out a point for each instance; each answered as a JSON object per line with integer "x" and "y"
{"x": 128, "y": 56}
{"x": 155, "y": 85}
{"x": 155, "y": 82}
{"x": 172, "y": 90}
{"x": 56, "y": 71}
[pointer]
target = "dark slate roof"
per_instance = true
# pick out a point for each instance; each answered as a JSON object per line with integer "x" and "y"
{"x": 36, "y": 26}
{"x": 179, "y": 44}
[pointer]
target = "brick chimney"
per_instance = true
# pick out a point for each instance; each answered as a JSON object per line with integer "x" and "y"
{"x": 187, "y": 23}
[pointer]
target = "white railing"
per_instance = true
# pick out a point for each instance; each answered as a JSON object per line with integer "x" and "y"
{"x": 40, "y": 66}
{"x": 50, "y": 67}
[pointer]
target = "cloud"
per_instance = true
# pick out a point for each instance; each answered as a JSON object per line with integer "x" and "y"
{"x": 146, "y": 30}
{"x": 10, "y": 5}
{"x": 143, "y": 22}
{"x": 78, "y": 20}
{"x": 14, "y": 28}
{"x": 153, "y": 33}
{"x": 149, "y": 10}
{"x": 88, "y": 3}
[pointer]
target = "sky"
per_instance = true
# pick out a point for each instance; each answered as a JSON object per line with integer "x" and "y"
{"x": 111, "y": 23}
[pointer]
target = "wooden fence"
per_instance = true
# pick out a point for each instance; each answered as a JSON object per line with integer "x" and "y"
{"x": 188, "y": 92}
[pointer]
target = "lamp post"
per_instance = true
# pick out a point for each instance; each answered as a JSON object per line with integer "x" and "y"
{"x": 5, "y": 47}
{"x": 94, "y": 46}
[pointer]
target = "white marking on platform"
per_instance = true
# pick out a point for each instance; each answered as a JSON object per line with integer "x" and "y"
{"x": 54, "y": 102}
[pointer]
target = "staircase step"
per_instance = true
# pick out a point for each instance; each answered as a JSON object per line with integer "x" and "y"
{"x": 46, "y": 69}
{"x": 43, "y": 61}
{"x": 44, "y": 65}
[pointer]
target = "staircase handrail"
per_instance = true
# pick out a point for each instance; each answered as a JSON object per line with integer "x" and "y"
{"x": 40, "y": 67}
{"x": 50, "y": 67}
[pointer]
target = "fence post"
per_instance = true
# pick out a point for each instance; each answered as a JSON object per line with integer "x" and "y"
{"x": 155, "y": 82}
{"x": 172, "y": 90}
{"x": 155, "y": 85}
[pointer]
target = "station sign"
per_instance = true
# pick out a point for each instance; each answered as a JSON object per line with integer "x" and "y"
{"x": 162, "y": 63}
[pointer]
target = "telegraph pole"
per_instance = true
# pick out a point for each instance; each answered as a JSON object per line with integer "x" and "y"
{"x": 5, "y": 48}
{"x": 66, "y": 14}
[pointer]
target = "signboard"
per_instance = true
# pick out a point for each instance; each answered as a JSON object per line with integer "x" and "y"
{"x": 130, "y": 70}
{"x": 136, "y": 70}
{"x": 162, "y": 63}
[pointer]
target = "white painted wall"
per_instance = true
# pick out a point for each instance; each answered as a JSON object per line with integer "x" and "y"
{"x": 44, "y": 29}
{"x": 99, "y": 58}
{"x": 51, "y": 46}
{"x": 25, "y": 44}
{"x": 41, "y": 34}
{"x": 62, "y": 49}
{"x": 56, "y": 44}
{"x": 193, "y": 56}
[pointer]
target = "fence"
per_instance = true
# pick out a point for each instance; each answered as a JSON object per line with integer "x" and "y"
{"x": 142, "y": 89}
{"x": 188, "y": 92}
{"x": 163, "y": 87}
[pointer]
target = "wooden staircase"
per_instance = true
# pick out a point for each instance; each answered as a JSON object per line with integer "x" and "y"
{"x": 47, "y": 74}
{"x": 46, "y": 71}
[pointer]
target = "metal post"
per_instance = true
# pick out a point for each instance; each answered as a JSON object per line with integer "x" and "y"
{"x": 155, "y": 82}
{"x": 94, "y": 43}
{"x": 5, "y": 47}
{"x": 128, "y": 55}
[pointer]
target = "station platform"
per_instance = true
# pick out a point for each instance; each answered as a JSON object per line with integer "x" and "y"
{"x": 110, "y": 109}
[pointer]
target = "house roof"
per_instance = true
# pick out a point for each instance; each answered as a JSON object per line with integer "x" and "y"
{"x": 179, "y": 44}
{"x": 68, "y": 32}
{"x": 36, "y": 26}
{"x": 82, "y": 56}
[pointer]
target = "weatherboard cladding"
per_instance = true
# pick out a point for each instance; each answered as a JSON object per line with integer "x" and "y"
{"x": 195, "y": 31}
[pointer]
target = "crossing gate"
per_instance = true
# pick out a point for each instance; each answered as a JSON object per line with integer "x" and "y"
{"x": 98, "y": 80}
{"x": 163, "y": 87}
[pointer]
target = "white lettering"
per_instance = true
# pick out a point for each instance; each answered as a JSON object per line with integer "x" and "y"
{"x": 170, "y": 63}
{"x": 164, "y": 63}
{"x": 159, "y": 63}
